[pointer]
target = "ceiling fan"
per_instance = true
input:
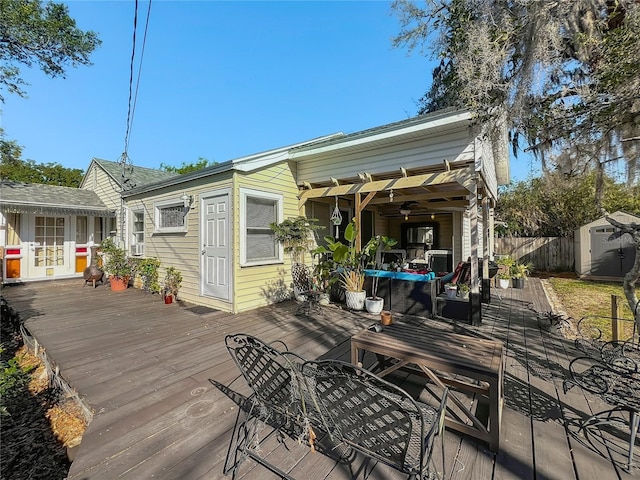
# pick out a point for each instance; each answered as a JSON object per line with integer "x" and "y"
{"x": 405, "y": 209}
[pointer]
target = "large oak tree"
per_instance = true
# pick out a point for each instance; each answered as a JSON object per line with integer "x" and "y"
{"x": 563, "y": 75}
{"x": 35, "y": 34}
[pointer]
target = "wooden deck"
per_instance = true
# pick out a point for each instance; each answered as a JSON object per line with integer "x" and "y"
{"x": 161, "y": 385}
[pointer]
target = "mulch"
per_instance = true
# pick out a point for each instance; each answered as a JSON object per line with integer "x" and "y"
{"x": 37, "y": 427}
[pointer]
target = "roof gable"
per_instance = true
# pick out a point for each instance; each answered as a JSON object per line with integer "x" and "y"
{"x": 132, "y": 176}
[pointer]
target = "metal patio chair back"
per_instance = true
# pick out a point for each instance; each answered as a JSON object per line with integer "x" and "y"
{"x": 373, "y": 416}
{"x": 265, "y": 368}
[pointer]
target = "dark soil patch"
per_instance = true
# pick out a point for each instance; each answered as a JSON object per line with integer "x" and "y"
{"x": 30, "y": 449}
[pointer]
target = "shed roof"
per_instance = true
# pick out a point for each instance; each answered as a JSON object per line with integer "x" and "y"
{"x": 50, "y": 199}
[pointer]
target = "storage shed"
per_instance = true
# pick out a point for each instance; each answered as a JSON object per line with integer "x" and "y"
{"x": 598, "y": 255}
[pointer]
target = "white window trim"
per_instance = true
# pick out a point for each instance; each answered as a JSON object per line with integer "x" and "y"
{"x": 279, "y": 198}
{"x": 156, "y": 216}
{"x": 132, "y": 232}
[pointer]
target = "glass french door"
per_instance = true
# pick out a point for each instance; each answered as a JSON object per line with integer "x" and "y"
{"x": 48, "y": 246}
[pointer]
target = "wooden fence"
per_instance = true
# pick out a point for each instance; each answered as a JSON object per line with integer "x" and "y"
{"x": 546, "y": 253}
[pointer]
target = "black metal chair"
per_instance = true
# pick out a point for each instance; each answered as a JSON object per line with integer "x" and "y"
{"x": 303, "y": 287}
{"x": 373, "y": 416}
{"x": 615, "y": 386}
{"x": 267, "y": 371}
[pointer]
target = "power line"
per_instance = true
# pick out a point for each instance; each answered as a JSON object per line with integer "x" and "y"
{"x": 133, "y": 97}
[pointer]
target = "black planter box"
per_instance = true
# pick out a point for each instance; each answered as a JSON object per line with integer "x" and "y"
{"x": 406, "y": 296}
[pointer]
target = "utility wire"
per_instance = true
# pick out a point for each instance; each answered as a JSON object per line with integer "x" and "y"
{"x": 133, "y": 97}
{"x": 133, "y": 56}
{"x": 144, "y": 43}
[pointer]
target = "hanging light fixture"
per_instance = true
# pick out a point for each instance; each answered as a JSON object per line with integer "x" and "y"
{"x": 336, "y": 218}
{"x": 433, "y": 216}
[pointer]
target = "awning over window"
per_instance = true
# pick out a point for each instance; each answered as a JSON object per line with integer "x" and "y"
{"x": 56, "y": 210}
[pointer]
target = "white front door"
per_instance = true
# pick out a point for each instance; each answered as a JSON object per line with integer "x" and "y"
{"x": 216, "y": 250}
{"x": 48, "y": 256}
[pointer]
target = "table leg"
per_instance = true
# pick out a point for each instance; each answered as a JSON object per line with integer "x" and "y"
{"x": 355, "y": 351}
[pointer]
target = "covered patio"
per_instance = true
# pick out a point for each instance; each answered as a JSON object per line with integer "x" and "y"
{"x": 431, "y": 183}
{"x": 164, "y": 391}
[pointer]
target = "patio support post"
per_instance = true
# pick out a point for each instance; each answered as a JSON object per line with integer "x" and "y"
{"x": 487, "y": 240}
{"x": 475, "y": 316}
{"x": 357, "y": 220}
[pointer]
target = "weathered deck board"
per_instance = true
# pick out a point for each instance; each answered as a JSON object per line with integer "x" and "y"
{"x": 145, "y": 369}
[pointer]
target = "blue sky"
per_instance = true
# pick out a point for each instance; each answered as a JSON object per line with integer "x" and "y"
{"x": 221, "y": 80}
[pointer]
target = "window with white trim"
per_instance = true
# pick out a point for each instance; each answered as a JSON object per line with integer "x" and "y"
{"x": 170, "y": 216}
{"x": 258, "y": 244}
{"x": 137, "y": 232}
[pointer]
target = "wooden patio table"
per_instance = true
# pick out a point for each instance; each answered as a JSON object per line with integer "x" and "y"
{"x": 444, "y": 358}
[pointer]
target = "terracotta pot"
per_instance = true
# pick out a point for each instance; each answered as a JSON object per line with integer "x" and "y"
{"x": 119, "y": 284}
{"x": 386, "y": 318}
{"x": 168, "y": 299}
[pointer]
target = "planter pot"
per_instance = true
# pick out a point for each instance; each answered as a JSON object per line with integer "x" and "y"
{"x": 374, "y": 305}
{"x": 503, "y": 283}
{"x": 518, "y": 282}
{"x": 323, "y": 299}
{"x": 386, "y": 318}
{"x": 451, "y": 291}
{"x": 168, "y": 299}
{"x": 297, "y": 294}
{"x": 464, "y": 296}
{"x": 119, "y": 284}
{"x": 355, "y": 300}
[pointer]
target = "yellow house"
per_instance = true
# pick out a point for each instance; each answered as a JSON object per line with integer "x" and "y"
{"x": 434, "y": 175}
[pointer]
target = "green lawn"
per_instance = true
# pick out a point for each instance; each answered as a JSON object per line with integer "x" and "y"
{"x": 581, "y": 298}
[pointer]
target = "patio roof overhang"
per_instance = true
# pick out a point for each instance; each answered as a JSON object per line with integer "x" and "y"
{"x": 446, "y": 189}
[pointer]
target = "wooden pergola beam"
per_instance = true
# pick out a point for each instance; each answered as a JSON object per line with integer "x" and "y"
{"x": 463, "y": 177}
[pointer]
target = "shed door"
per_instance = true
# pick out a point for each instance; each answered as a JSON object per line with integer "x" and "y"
{"x": 216, "y": 252}
{"x": 610, "y": 258}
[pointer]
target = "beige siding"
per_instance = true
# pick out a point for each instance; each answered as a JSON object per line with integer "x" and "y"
{"x": 181, "y": 250}
{"x": 455, "y": 147}
{"x": 107, "y": 190}
{"x": 260, "y": 285}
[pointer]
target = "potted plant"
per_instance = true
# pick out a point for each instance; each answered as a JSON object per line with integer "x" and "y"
{"x": 296, "y": 236}
{"x": 172, "y": 283}
{"x": 451, "y": 289}
{"x": 322, "y": 275}
{"x": 349, "y": 261}
{"x": 382, "y": 243}
{"x": 463, "y": 288}
{"x": 505, "y": 262}
{"x": 504, "y": 279}
{"x": 117, "y": 266}
{"x": 520, "y": 271}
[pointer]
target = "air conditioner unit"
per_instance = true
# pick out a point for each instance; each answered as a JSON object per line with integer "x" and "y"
{"x": 137, "y": 249}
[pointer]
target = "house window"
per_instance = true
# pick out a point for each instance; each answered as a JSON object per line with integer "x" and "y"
{"x": 81, "y": 230}
{"x": 98, "y": 234}
{"x": 258, "y": 243}
{"x": 137, "y": 232}
{"x": 170, "y": 217}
